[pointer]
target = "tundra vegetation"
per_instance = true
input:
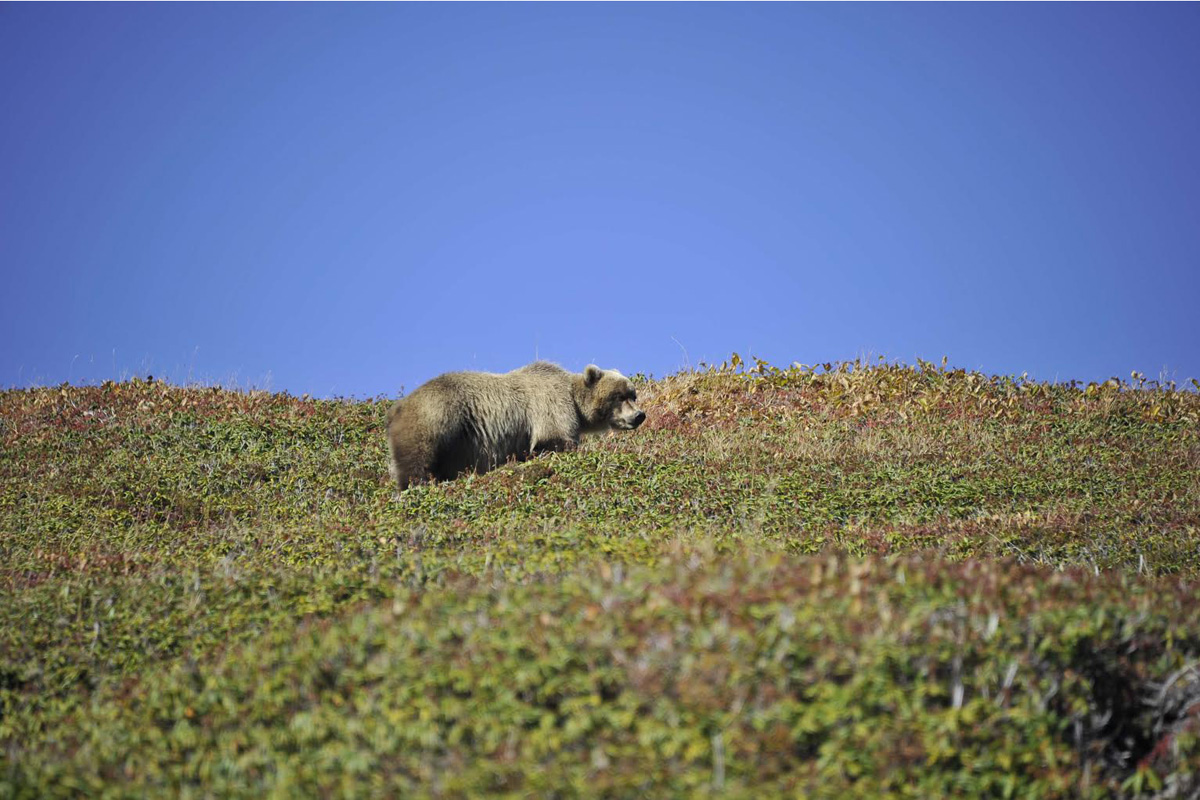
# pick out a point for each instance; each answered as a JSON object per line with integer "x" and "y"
{"x": 853, "y": 579}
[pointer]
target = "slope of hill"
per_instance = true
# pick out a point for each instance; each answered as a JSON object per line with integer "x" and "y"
{"x": 852, "y": 579}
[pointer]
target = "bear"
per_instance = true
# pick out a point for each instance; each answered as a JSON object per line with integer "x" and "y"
{"x": 475, "y": 421}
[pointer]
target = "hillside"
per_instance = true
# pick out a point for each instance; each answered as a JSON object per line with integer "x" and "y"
{"x": 850, "y": 579}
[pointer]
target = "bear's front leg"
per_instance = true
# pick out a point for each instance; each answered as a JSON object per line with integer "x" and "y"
{"x": 555, "y": 445}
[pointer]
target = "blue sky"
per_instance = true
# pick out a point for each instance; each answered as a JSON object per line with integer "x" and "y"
{"x": 350, "y": 199}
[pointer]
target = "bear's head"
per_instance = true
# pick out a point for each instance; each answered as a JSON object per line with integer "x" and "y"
{"x": 607, "y": 400}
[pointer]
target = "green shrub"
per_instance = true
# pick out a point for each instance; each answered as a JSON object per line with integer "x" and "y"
{"x": 849, "y": 580}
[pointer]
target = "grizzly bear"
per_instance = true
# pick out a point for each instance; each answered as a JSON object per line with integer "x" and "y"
{"x": 474, "y": 421}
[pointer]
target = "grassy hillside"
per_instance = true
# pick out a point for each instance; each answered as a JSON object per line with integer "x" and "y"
{"x": 843, "y": 580}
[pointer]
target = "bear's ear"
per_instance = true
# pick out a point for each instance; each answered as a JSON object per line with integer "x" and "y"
{"x": 592, "y": 375}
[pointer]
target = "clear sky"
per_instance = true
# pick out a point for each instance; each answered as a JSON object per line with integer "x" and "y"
{"x": 350, "y": 199}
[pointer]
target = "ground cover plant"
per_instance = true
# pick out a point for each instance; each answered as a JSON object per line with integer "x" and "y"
{"x": 845, "y": 579}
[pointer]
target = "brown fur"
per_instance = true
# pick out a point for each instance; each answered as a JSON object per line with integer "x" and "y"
{"x": 474, "y": 421}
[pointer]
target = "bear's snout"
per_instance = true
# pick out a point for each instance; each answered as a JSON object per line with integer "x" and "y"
{"x": 639, "y": 418}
